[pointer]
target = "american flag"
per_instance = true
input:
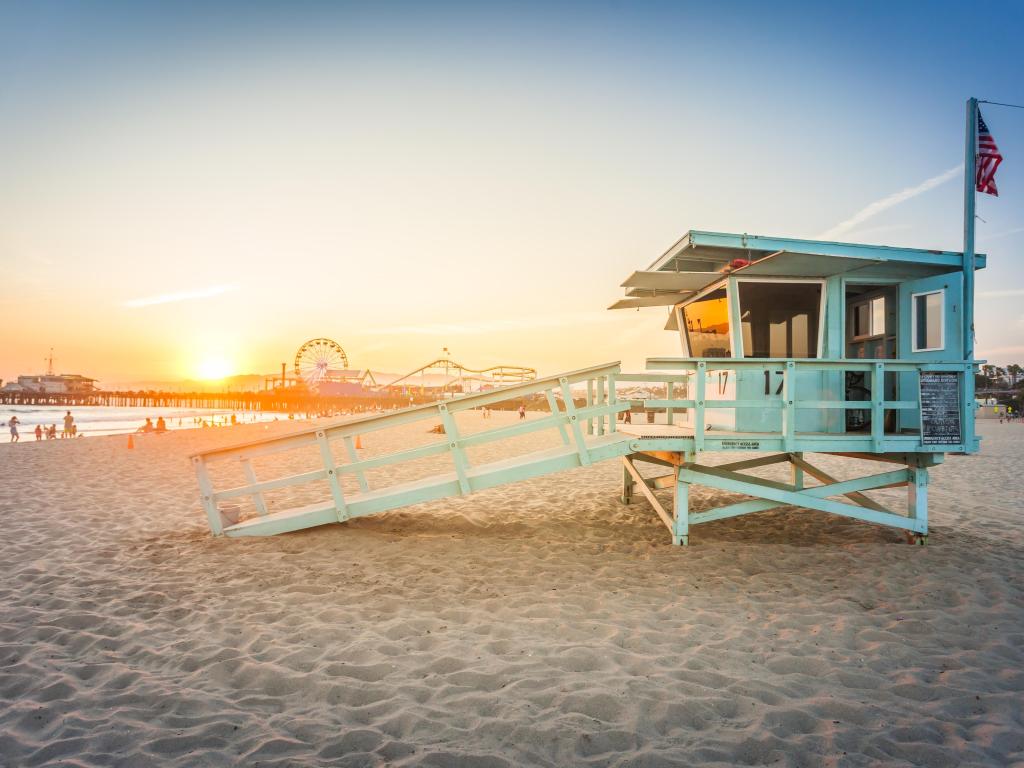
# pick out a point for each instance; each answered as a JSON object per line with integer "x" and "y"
{"x": 988, "y": 160}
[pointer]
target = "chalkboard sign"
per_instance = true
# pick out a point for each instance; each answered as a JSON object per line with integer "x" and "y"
{"x": 940, "y": 408}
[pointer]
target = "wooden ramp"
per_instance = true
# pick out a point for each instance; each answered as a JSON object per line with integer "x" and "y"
{"x": 588, "y": 434}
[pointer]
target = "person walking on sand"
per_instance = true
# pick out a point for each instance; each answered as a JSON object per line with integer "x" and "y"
{"x": 39, "y": 432}
{"x": 68, "y": 421}
{"x": 522, "y": 412}
{"x": 13, "y": 424}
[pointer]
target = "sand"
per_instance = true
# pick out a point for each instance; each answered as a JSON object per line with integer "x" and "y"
{"x": 537, "y": 624}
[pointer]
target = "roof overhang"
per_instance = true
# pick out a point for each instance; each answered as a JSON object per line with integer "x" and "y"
{"x": 700, "y": 259}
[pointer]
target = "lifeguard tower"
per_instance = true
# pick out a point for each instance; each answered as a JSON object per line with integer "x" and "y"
{"x": 789, "y": 348}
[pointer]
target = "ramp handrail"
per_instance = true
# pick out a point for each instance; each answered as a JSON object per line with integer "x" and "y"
{"x": 598, "y": 413}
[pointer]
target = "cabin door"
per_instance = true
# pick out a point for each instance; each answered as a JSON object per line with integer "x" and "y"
{"x": 931, "y": 330}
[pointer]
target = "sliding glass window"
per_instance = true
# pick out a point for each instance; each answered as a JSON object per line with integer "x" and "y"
{"x": 780, "y": 319}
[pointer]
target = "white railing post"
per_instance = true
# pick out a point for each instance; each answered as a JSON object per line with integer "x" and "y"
{"x": 613, "y": 398}
{"x": 574, "y": 423}
{"x": 789, "y": 406}
{"x": 590, "y": 402}
{"x": 698, "y": 410}
{"x": 250, "y": 476}
{"x": 206, "y": 492}
{"x": 553, "y": 405}
{"x": 353, "y": 457}
{"x": 877, "y": 403}
{"x": 332, "y": 475}
{"x": 458, "y": 452}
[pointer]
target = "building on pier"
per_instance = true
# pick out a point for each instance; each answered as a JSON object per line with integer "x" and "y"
{"x": 55, "y": 384}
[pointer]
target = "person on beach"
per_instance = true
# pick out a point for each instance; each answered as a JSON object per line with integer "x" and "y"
{"x": 522, "y": 411}
{"x": 39, "y": 432}
{"x": 161, "y": 425}
{"x": 147, "y": 427}
{"x": 51, "y": 433}
{"x": 69, "y": 420}
{"x": 13, "y": 424}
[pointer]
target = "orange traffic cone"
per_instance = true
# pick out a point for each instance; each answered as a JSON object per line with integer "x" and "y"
{"x": 131, "y": 442}
{"x": 359, "y": 442}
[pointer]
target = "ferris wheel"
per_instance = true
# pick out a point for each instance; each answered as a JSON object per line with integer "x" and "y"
{"x": 319, "y": 359}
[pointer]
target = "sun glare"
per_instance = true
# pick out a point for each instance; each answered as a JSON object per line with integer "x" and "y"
{"x": 214, "y": 368}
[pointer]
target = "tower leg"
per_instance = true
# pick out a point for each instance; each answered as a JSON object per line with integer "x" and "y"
{"x": 681, "y": 512}
{"x": 798, "y": 474}
{"x": 917, "y": 502}
{"x": 627, "y": 483}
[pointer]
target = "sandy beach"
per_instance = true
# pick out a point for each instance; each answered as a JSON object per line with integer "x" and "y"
{"x": 542, "y": 623}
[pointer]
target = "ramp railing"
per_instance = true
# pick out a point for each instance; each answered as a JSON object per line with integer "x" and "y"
{"x": 576, "y": 424}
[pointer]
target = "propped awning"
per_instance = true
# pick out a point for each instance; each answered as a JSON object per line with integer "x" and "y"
{"x": 662, "y": 300}
{"x": 669, "y": 281}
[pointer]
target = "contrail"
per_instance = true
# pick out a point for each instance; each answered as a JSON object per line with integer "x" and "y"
{"x": 1002, "y": 294}
{"x": 167, "y": 298}
{"x": 885, "y": 203}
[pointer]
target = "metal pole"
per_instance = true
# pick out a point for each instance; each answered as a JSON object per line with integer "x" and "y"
{"x": 970, "y": 171}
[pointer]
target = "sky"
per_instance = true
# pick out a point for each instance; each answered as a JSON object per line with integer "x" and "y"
{"x": 196, "y": 187}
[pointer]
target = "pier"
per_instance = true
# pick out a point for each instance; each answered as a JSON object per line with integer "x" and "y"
{"x": 285, "y": 400}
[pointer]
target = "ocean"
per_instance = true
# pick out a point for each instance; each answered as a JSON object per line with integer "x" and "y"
{"x": 110, "y": 420}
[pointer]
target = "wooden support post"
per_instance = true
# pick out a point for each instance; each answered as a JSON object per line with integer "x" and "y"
{"x": 627, "y": 485}
{"x": 332, "y": 476}
{"x": 669, "y": 412}
{"x": 797, "y": 470}
{"x": 458, "y": 452}
{"x": 250, "y": 476}
{"x": 353, "y": 457}
{"x": 639, "y": 483}
{"x": 553, "y": 406}
{"x": 917, "y": 498}
{"x": 681, "y": 511}
{"x": 206, "y": 493}
{"x": 600, "y": 401}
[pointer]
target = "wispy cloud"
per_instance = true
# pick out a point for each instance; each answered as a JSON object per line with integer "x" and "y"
{"x": 168, "y": 298}
{"x": 997, "y": 235}
{"x": 1001, "y": 294}
{"x": 875, "y": 208}
{"x": 495, "y": 326}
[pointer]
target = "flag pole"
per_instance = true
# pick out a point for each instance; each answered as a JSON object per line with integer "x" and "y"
{"x": 970, "y": 172}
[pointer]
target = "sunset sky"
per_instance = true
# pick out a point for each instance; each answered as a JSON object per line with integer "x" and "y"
{"x": 185, "y": 188}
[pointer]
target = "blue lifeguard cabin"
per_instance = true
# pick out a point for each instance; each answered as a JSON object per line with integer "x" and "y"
{"x": 789, "y": 348}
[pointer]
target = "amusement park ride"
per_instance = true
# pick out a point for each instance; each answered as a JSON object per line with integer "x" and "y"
{"x": 322, "y": 363}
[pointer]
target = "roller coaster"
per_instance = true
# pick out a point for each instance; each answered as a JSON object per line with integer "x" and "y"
{"x": 462, "y": 378}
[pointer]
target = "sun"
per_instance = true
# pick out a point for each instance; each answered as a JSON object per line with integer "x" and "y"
{"x": 212, "y": 368}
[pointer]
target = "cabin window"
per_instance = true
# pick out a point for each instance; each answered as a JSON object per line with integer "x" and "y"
{"x": 869, "y": 318}
{"x": 928, "y": 321}
{"x": 780, "y": 319}
{"x": 706, "y": 322}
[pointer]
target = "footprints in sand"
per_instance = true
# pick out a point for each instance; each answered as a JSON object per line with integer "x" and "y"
{"x": 543, "y": 624}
